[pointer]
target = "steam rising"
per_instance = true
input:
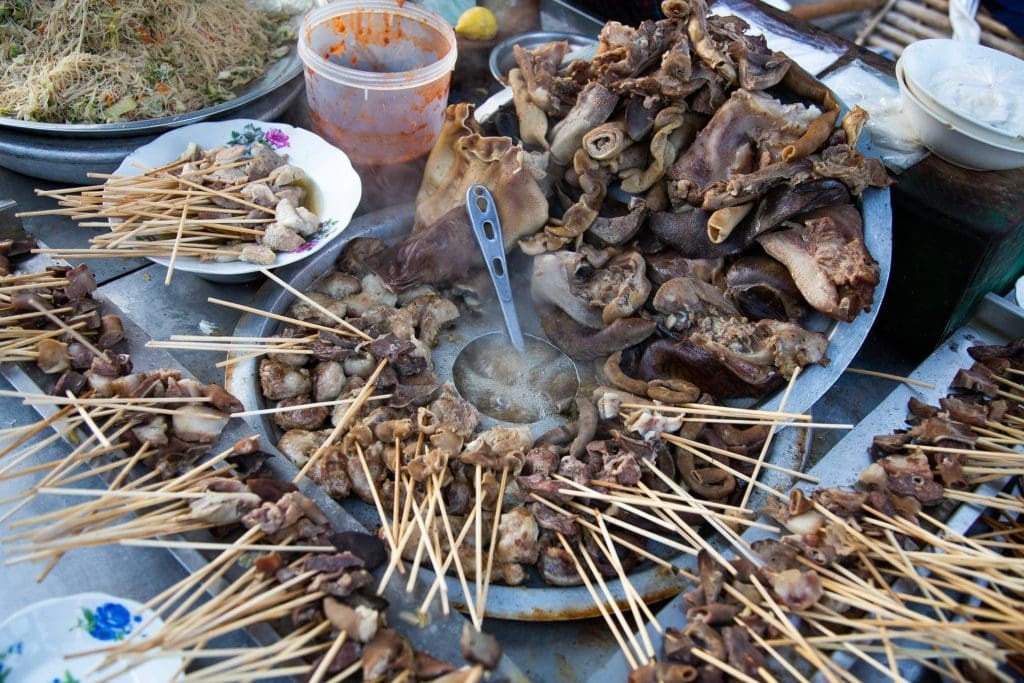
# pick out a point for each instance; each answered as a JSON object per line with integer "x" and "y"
{"x": 510, "y": 387}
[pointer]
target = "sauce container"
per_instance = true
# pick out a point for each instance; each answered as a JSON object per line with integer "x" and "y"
{"x": 377, "y": 76}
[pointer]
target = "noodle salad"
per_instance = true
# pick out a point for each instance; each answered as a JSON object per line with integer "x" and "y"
{"x": 110, "y": 61}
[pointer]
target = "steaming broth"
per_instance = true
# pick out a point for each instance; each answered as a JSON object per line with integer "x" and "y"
{"x": 510, "y": 387}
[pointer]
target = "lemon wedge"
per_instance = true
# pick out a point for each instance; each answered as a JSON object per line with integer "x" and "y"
{"x": 477, "y": 23}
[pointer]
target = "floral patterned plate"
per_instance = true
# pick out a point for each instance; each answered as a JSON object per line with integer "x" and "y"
{"x": 336, "y": 187}
{"x": 35, "y": 640}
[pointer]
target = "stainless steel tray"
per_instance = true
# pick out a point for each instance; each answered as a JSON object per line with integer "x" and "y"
{"x": 996, "y": 322}
{"x": 534, "y": 601}
{"x": 439, "y": 636}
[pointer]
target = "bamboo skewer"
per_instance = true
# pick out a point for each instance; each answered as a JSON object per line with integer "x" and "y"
{"x": 482, "y": 597}
{"x": 275, "y": 316}
{"x": 338, "y": 319}
{"x": 478, "y": 547}
{"x": 177, "y": 239}
{"x": 895, "y": 378}
{"x": 719, "y": 411}
{"x": 626, "y": 651}
{"x": 454, "y": 544}
{"x": 343, "y": 424}
{"x": 636, "y": 602}
{"x": 612, "y": 605}
{"x": 681, "y": 441}
{"x": 768, "y": 439}
{"x": 341, "y": 402}
{"x": 655, "y": 501}
{"x": 642, "y": 552}
{"x": 69, "y": 330}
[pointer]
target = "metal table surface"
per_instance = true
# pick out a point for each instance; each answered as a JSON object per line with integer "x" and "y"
{"x": 567, "y": 651}
{"x": 571, "y": 651}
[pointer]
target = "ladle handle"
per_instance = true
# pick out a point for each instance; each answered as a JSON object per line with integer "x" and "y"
{"x": 483, "y": 216}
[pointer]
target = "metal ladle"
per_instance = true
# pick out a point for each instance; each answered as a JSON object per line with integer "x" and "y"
{"x": 483, "y": 216}
{"x": 524, "y": 386}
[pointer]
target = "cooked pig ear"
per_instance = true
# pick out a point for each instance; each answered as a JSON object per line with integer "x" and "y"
{"x": 593, "y": 107}
{"x": 713, "y": 367}
{"x": 617, "y": 230}
{"x": 842, "y": 289}
{"x": 674, "y": 130}
{"x": 593, "y": 181}
{"x": 539, "y": 67}
{"x": 763, "y": 288}
{"x": 758, "y": 68}
{"x": 458, "y": 123}
{"x": 853, "y": 124}
{"x": 593, "y": 298}
{"x": 782, "y": 203}
{"x": 533, "y": 122}
{"x": 497, "y": 164}
{"x": 585, "y": 343}
{"x": 702, "y": 43}
{"x": 804, "y": 85}
{"x": 723, "y": 221}
{"x": 606, "y": 141}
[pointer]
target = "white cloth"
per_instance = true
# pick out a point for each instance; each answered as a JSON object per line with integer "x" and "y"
{"x": 961, "y": 15}
{"x": 891, "y": 132}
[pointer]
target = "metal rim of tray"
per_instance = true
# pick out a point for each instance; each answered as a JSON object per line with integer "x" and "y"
{"x": 536, "y": 602}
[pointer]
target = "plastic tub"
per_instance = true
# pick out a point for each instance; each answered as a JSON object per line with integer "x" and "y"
{"x": 377, "y": 77}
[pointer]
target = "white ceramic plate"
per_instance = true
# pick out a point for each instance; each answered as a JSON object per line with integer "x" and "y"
{"x": 35, "y": 640}
{"x": 335, "y": 183}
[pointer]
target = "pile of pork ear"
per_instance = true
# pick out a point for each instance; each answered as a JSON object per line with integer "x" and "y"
{"x": 687, "y": 194}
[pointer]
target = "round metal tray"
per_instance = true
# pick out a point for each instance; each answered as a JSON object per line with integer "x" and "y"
{"x": 68, "y": 159}
{"x": 535, "y": 600}
{"x": 277, "y": 75}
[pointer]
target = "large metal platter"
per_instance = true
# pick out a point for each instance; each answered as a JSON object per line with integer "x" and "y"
{"x": 70, "y": 159}
{"x": 536, "y": 600}
{"x": 277, "y": 75}
{"x": 438, "y": 635}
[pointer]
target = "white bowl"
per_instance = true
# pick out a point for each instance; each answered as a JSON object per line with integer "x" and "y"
{"x": 954, "y": 144}
{"x": 35, "y": 641}
{"x": 335, "y": 183}
{"x": 969, "y": 126}
{"x": 972, "y": 86}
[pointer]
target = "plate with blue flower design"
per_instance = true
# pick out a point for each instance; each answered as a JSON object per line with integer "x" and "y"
{"x": 333, "y": 188}
{"x": 35, "y": 642}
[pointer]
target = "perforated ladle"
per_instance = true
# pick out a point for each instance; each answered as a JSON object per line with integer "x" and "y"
{"x": 483, "y": 216}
